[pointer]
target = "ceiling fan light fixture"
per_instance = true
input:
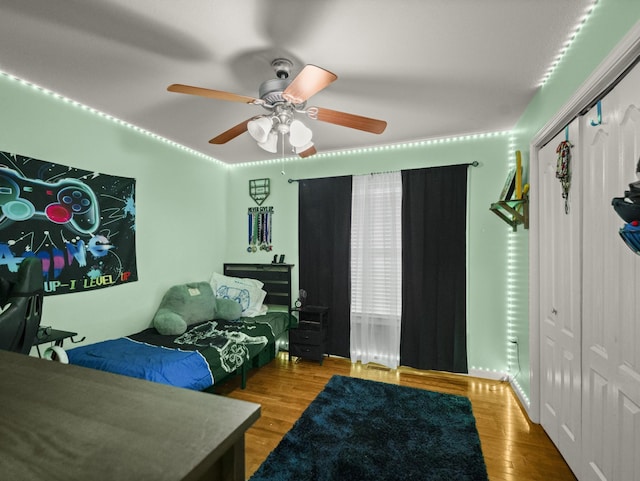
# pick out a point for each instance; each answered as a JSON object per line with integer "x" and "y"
{"x": 299, "y": 134}
{"x": 271, "y": 143}
{"x": 259, "y": 128}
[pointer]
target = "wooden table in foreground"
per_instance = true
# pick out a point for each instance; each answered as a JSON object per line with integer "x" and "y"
{"x": 64, "y": 422}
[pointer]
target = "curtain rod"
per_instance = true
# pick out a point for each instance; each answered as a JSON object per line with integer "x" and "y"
{"x": 475, "y": 163}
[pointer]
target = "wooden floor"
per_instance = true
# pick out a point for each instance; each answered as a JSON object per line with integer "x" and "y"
{"x": 514, "y": 448}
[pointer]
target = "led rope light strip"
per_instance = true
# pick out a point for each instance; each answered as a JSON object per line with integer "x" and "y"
{"x": 407, "y": 145}
{"x": 567, "y": 44}
{"x": 389, "y": 147}
{"x": 109, "y": 117}
{"x": 379, "y": 148}
{"x": 514, "y": 306}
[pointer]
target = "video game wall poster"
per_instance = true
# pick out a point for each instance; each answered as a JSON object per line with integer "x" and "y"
{"x": 81, "y": 224}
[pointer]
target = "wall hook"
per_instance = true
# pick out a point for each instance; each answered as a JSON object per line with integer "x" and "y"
{"x": 598, "y": 113}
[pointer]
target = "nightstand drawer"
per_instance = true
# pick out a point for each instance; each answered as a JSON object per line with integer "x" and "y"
{"x": 306, "y": 351}
{"x": 302, "y": 336}
{"x": 306, "y": 325}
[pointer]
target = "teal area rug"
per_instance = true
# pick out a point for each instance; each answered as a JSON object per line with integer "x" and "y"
{"x": 357, "y": 430}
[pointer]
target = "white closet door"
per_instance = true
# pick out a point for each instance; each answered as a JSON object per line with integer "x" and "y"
{"x": 560, "y": 302}
{"x": 611, "y": 289}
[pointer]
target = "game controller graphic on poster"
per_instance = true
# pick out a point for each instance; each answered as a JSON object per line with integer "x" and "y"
{"x": 81, "y": 224}
{"x": 67, "y": 201}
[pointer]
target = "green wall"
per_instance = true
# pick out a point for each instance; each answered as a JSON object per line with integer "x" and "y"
{"x": 607, "y": 25}
{"x": 180, "y": 204}
{"x": 179, "y": 240}
{"x": 498, "y": 258}
{"x": 487, "y": 234}
{"x": 192, "y": 210}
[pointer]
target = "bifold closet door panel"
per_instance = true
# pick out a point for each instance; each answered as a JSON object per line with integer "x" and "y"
{"x": 560, "y": 301}
{"x": 599, "y": 238}
{"x": 611, "y": 288}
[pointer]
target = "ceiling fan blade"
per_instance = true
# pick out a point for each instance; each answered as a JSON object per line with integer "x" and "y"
{"x": 308, "y": 82}
{"x": 214, "y": 94}
{"x": 308, "y": 152}
{"x": 232, "y": 133}
{"x": 347, "y": 120}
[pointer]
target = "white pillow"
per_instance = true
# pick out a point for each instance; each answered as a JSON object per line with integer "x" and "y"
{"x": 216, "y": 278}
{"x": 247, "y": 292}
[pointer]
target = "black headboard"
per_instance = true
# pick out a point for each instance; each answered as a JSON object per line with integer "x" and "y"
{"x": 276, "y": 278}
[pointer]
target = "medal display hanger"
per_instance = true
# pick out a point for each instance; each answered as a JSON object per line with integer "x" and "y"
{"x": 260, "y": 225}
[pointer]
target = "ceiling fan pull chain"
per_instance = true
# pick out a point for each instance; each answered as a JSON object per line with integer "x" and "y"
{"x": 282, "y": 172}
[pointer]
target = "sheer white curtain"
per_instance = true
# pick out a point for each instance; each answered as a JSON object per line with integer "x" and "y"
{"x": 376, "y": 282}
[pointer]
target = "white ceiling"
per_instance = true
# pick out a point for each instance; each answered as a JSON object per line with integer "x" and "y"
{"x": 430, "y": 68}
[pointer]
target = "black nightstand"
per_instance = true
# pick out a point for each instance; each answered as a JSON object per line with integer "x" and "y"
{"x": 309, "y": 339}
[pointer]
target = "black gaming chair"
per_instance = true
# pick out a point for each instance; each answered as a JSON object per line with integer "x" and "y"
{"x": 21, "y": 304}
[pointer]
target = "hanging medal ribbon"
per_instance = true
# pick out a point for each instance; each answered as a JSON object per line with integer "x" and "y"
{"x": 563, "y": 170}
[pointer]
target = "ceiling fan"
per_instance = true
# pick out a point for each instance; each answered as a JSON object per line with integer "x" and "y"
{"x": 283, "y": 98}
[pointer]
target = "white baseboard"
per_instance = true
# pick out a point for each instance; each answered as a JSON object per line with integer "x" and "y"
{"x": 503, "y": 376}
{"x": 524, "y": 401}
{"x": 487, "y": 374}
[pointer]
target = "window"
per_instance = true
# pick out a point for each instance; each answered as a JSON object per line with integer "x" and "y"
{"x": 376, "y": 271}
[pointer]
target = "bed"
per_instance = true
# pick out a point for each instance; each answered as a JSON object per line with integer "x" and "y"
{"x": 210, "y": 351}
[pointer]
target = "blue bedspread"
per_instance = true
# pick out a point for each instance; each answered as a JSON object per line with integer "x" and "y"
{"x": 205, "y": 355}
{"x": 187, "y": 369}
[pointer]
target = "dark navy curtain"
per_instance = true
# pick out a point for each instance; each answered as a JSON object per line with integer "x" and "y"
{"x": 324, "y": 235}
{"x": 434, "y": 213}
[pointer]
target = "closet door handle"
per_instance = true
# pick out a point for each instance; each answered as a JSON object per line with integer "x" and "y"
{"x": 554, "y": 311}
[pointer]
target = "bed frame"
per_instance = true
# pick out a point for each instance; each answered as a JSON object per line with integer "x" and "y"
{"x": 276, "y": 278}
{"x": 277, "y": 284}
